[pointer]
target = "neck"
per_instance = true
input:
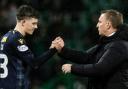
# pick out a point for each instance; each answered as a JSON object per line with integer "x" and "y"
{"x": 20, "y": 29}
{"x": 111, "y": 32}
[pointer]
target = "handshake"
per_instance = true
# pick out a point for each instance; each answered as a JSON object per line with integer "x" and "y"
{"x": 58, "y": 43}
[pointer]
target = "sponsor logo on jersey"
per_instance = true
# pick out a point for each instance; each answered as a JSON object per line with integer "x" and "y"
{"x": 22, "y": 48}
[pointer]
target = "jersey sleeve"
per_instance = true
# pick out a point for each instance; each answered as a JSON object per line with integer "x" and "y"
{"x": 24, "y": 53}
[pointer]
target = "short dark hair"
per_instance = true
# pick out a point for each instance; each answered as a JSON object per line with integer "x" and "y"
{"x": 115, "y": 17}
{"x": 26, "y": 11}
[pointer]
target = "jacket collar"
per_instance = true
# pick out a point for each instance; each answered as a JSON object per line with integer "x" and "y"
{"x": 120, "y": 34}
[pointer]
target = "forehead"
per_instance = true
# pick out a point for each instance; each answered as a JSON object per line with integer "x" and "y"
{"x": 102, "y": 17}
{"x": 32, "y": 19}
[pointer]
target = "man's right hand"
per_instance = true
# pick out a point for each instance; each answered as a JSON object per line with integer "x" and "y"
{"x": 58, "y": 43}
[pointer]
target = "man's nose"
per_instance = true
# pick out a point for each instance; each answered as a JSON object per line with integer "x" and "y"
{"x": 36, "y": 26}
{"x": 97, "y": 25}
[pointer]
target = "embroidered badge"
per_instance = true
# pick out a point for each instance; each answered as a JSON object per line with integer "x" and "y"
{"x": 22, "y": 48}
{"x": 21, "y": 41}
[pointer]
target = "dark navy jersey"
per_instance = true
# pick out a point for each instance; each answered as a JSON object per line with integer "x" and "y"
{"x": 15, "y": 58}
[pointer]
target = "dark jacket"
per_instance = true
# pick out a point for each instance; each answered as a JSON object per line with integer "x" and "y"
{"x": 106, "y": 64}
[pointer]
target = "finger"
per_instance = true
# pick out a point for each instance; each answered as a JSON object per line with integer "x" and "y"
{"x": 57, "y": 38}
{"x": 66, "y": 71}
{"x": 63, "y": 69}
{"x": 55, "y": 42}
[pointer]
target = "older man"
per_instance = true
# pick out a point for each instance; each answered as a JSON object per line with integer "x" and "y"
{"x": 106, "y": 64}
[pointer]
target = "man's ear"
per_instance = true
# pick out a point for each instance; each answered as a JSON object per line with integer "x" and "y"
{"x": 23, "y": 22}
{"x": 109, "y": 25}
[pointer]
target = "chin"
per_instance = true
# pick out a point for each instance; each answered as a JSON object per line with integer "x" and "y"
{"x": 30, "y": 33}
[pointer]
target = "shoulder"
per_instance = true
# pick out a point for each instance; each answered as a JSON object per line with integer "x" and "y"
{"x": 12, "y": 37}
{"x": 7, "y": 37}
{"x": 16, "y": 37}
{"x": 120, "y": 44}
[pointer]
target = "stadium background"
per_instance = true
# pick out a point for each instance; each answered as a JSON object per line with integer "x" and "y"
{"x": 74, "y": 20}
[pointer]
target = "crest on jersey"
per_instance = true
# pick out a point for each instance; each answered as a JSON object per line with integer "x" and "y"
{"x": 21, "y": 41}
{"x": 22, "y": 48}
{"x": 4, "y": 39}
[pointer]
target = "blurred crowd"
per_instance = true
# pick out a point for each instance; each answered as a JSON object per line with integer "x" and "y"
{"x": 74, "y": 20}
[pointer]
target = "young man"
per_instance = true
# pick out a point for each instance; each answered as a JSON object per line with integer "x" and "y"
{"x": 106, "y": 64}
{"x": 15, "y": 56}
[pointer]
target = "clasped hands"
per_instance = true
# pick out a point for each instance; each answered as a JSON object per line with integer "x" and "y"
{"x": 58, "y": 43}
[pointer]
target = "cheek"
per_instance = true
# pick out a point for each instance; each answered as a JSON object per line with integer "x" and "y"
{"x": 29, "y": 26}
{"x": 101, "y": 29}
